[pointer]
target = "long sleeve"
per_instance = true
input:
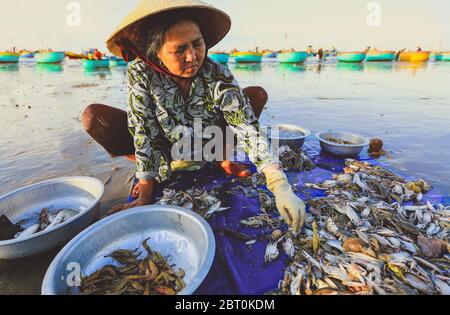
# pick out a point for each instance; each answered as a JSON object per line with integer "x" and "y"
{"x": 143, "y": 126}
{"x": 239, "y": 115}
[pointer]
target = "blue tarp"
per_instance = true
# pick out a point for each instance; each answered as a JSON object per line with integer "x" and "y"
{"x": 239, "y": 268}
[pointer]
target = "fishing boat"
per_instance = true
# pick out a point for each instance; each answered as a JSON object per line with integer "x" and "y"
{"x": 72, "y": 55}
{"x": 292, "y": 56}
{"x": 357, "y": 56}
{"x": 90, "y": 64}
{"x": 376, "y": 55}
{"x": 117, "y": 62}
{"x": 7, "y": 57}
{"x": 49, "y": 56}
{"x": 415, "y": 56}
{"x": 247, "y": 57}
{"x": 270, "y": 54}
{"x": 26, "y": 54}
{"x": 220, "y": 57}
{"x": 442, "y": 56}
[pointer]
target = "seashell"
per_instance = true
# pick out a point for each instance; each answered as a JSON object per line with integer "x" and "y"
{"x": 418, "y": 284}
{"x": 426, "y": 218}
{"x": 272, "y": 252}
{"x": 410, "y": 247}
{"x": 431, "y": 230}
{"x": 394, "y": 242}
{"x": 276, "y": 234}
{"x": 288, "y": 247}
{"x": 296, "y": 284}
{"x": 335, "y": 244}
{"x": 398, "y": 189}
{"x": 357, "y": 181}
{"x": 354, "y": 245}
{"x": 331, "y": 227}
{"x": 366, "y": 212}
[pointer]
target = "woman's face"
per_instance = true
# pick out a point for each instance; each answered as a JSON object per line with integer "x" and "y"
{"x": 183, "y": 51}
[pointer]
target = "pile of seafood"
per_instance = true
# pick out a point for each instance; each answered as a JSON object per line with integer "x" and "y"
{"x": 151, "y": 275}
{"x": 338, "y": 141}
{"x": 47, "y": 221}
{"x": 294, "y": 159}
{"x": 196, "y": 199}
{"x": 370, "y": 234}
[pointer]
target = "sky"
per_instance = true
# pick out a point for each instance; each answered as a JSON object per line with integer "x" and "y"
{"x": 345, "y": 24}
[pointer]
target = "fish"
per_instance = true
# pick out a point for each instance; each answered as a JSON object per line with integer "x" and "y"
{"x": 28, "y": 231}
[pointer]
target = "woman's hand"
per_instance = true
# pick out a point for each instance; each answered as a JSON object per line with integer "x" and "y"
{"x": 145, "y": 197}
{"x": 291, "y": 208}
{"x": 133, "y": 204}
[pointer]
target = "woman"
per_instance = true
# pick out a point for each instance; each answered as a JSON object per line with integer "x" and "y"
{"x": 171, "y": 83}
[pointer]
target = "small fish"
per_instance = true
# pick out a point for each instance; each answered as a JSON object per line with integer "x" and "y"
{"x": 215, "y": 208}
{"x": 28, "y": 231}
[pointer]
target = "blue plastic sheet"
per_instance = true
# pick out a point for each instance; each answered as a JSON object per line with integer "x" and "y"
{"x": 238, "y": 268}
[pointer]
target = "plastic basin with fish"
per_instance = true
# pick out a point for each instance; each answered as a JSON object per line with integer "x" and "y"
{"x": 340, "y": 149}
{"x": 286, "y": 134}
{"x": 79, "y": 193}
{"x": 179, "y": 234}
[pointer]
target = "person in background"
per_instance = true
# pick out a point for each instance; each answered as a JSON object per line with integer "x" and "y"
{"x": 320, "y": 53}
{"x": 97, "y": 54}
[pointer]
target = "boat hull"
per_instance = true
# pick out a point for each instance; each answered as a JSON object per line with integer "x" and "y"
{"x": 90, "y": 64}
{"x": 383, "y": 56}
{"x": 9, "y": 58}
{"x": 220, "y": 58}
{"x": 292, "y": 57}
{"x": 415, "y": 56}
{"x": 445, "y": 56}
{"x": 74, "y": 56}
{"x": 271, "y": 55}
{"x": 248, "y": 57}
{"x": 351, "y": 57}
{"x": 50, "y": 57}
{"x": 117, "y": 63}
{"x": 27, "y": 55}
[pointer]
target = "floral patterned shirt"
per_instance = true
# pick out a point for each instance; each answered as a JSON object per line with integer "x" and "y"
{"x": 156, "y": 107}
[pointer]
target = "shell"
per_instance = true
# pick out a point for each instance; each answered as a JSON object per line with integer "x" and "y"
{"x": 354, "y": 245}
{"x": 296, "y": 284}
{"x": 332, "y": 227}
{"x": 272, "y": 252}
{"x": 288, "y": 247}
{"x": 276, "y": 234}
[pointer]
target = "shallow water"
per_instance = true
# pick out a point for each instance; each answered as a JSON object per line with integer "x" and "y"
{"x": 407, "y": 105}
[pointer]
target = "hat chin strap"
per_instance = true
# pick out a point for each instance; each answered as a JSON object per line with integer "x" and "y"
{"x": 129, "y": 52}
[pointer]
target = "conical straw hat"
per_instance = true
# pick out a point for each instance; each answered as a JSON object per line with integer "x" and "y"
{"x": 214, "y": 23}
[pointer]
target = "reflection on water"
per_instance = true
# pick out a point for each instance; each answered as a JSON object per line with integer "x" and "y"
{"x": 349, "y": 66}
{"x": 412, "y": 67}
{"x": 291, "y": 67}
{"x": 100, "y": 72}
{"x": 379, "y": 66}
{"x": 250, "y": 67}
{"x": 48, "y": 67}
{"x": 9, "y": 67}
{"x": 408, "y": 108}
